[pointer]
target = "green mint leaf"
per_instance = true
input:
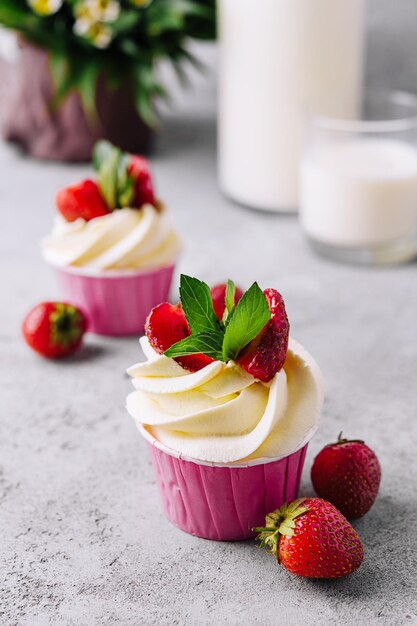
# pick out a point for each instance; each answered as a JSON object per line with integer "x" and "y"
{"x": 106, "y": 159}
{"x": 102, "y": 151}
{"x": 229, "y": 300}
{"x": 198, "y": 306}
{"x": 208, "y": 343}
{"x": 249, "y": 317}
{"x": 125, "y": 184}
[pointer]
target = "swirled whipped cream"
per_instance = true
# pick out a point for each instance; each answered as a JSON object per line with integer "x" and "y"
{"x": 123, "y": 239}
{"x": 221, "y": 414}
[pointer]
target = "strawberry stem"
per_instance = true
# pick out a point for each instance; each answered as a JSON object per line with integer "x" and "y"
{"x": 278, "y": 523}
{"x": 66, "y": 326}
{"x": 342, "y": 440}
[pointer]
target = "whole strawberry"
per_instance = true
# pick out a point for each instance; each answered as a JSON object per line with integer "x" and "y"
{"x": 348, "y": 474}
{"x": 54, "y": 329}
{"x": 311, "y": 538}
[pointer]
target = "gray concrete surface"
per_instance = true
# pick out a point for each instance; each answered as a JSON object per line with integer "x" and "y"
{"x": 82, "y": 536}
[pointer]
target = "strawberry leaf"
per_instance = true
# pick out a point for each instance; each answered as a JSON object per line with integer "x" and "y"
{"x": 250, "y": 316}
{"x": 206, "y": 343}
{"x": 198, "y": 306}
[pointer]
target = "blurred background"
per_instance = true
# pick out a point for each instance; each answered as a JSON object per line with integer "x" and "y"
{"x": 391, "y": 57}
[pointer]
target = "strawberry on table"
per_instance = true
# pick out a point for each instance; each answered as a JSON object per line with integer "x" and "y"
{"x": 266, "y": 353}
{"x": 81, "y": 200}
{"x": 54, "y": 329}
{"x": 311, "y": 538}
{"x": 348, "y": 474}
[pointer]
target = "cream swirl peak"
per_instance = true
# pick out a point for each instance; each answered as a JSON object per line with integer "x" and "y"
{"x": 123, "y": 239}
{"x": 222, "y": 414}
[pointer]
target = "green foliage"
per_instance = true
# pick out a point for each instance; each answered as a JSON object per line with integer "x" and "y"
{"x": 123, "y": 44}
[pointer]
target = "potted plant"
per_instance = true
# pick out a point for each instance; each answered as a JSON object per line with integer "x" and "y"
{"x": 88, "y": 69}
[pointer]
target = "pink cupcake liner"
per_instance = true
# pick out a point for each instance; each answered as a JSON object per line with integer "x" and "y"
{"x": 116, "y": 303}
{"x": 223, "y": 502}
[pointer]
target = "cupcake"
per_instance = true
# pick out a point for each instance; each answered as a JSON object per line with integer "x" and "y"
{"x": 228, "y": 404}
{"x": 112, "y": 244}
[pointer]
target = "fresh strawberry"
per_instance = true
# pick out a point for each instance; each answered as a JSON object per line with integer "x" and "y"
{"x": 54, "y": 329}
{"x": 265, "y": 355}
{"x": 166, "y": 324}
{"x": 218, "y": 294}
{"x": 81, "y": 200}
{"x": 139, "y": 170}
{"x": 311, "y": 538}
{"x": 348, "y": 474}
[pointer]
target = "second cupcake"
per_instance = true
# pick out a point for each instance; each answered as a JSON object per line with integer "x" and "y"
{"x": 113, "y": 245}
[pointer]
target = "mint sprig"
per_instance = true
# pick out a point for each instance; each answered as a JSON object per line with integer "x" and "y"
{"x": 229, "y": 300}
{"x": 221, "y": 340}
{"x": 207, "y": 343}
{"x": 248, "y": 319}
{"x": 198, "y": 306}
{"x": 115, "y": 184}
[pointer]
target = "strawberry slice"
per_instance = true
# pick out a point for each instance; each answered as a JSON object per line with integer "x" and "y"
{"x": 166, "y": 324}
{"x": 139, "y": 170}
{"x": 218, "y": 294}
{"x": 265, "y": 355}
{"x": 81, "y": 200}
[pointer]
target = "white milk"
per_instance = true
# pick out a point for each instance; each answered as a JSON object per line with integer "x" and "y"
{"x": 360, "y": 192}
{"x": 279, "y": 57}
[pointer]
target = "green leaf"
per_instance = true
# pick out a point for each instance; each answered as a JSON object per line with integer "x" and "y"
{"x": 229, "y": 300}
{"x": 101, "y": 153}
{"x": 62, "y": 73}
{"x": 146, "y": 89}
{"x": 207, "y": 343}
{"x": 126, "y": 22}
{"x": 198, "y": 305}
{"x": 125, "y": 183}
{"x": 250, "y": 316}
{"x": 87, "y": 84}
{"x": 106, "y": 159}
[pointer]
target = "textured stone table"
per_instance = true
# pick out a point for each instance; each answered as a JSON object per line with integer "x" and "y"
{"x": 82, "y": 536}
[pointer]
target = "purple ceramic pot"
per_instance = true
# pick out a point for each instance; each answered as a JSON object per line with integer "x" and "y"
{"x": 66, "y": 134}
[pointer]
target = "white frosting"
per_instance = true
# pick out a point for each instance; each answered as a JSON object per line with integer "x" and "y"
{"x": 123, "y": 239}
{"x": 221, "y": 414}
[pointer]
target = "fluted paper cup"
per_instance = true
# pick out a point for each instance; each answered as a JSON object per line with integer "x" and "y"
{"x": 223, "y": 502}
{"x": 116, "y": 302}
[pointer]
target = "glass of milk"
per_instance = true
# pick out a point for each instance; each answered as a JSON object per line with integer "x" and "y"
{"x": 358, "y": 182}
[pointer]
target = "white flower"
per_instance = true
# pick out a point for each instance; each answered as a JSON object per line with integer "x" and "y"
{"x": 97, "y": 10}
{"x": 98, "y": 33}
{"x": 82, "y": 26}
{"x": 45, "y": 7}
